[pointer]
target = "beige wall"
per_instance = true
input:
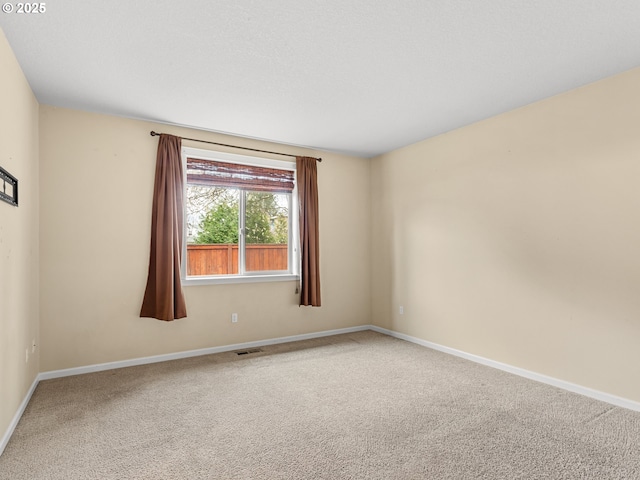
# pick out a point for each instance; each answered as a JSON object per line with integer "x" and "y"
{"x": 18, "y": 237}
{"x": 96, "y": 193}
{"x": 517, "y": 238}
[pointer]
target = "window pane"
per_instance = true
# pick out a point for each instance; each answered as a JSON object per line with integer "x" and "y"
{"x": 267, "y": 231}
{"x": 212, "y": 230}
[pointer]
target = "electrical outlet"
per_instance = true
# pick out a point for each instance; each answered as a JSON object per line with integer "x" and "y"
{"x": 234, "y": 318}
{"x": 401, "y": 310}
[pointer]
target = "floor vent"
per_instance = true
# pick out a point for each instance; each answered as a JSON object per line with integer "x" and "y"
{"x": 247, "y": 352}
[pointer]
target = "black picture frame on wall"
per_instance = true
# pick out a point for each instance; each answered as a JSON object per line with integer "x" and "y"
{"x": 8, "y": 188}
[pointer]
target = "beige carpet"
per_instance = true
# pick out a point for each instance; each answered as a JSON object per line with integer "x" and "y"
{"x": 356, "y": 406}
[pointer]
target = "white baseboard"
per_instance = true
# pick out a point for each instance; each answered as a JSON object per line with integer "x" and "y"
{"x": 18, "y": 415}
{"x": 588, "y": 392}
{"x": 571, "y": 387}
{"x": 194, "y": 353}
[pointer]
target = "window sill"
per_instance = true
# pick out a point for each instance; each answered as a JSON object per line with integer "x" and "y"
{"x": 287, "y": 277}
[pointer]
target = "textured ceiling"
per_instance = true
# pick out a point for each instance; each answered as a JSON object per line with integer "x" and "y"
{"x": 361, "y": 77}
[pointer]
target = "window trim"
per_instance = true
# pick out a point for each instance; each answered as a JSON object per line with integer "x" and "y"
{"x": 248, "y": 277}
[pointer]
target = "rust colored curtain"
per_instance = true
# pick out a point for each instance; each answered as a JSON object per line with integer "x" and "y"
{"x": 307, "y": 179}
{"x": 163, "y": 297}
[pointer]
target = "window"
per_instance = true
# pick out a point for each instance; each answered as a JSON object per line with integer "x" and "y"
{"x": 240, "y": 218}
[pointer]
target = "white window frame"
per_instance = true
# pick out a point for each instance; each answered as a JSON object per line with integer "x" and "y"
{"x": 246, "y": 277}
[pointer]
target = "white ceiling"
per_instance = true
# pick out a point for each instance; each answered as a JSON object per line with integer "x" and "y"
{"x": 360, "y": 77}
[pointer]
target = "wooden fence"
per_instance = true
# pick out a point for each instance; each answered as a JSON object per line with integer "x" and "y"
{"x": 222, "y": 258}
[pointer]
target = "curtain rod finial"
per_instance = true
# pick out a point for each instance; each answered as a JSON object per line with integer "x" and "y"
{"x": 153, "y": 134}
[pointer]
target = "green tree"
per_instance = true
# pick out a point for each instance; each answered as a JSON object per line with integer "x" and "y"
{"x": 260, "y": 207}
{"x": 219, "y": 225}
{"x": 281, "y": 228}
{"x": 265, "y": 220}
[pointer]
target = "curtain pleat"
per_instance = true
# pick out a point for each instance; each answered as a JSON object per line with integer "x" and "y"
{"x": 163, "y": 297}
{"x": 307, "y": 180}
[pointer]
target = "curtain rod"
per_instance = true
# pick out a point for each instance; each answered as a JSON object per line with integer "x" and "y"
{"x": 155, "y": 134}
